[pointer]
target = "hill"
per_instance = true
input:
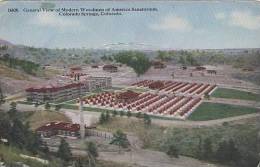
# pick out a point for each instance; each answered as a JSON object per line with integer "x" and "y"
{"x": 4, "y": 42}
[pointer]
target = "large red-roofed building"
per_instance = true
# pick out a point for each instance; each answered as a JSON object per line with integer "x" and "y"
{"x": 63, "y": 129}
{"x": 58, "y": 92}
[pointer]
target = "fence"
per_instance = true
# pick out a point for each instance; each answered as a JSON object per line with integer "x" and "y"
{"x": 96, "y": 133}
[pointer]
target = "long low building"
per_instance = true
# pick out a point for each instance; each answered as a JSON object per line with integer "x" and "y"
{"x": 63, "y": 129}
{"x": 62, "y": 91}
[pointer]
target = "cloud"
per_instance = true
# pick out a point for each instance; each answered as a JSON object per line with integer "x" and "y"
{"x": 220, "y": 16}
{"x": 243, "y": 19}
{"x": 172, "y": 23}
{"x": 54, "y": 21}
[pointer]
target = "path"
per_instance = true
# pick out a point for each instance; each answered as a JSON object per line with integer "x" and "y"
{"x": 91, "y": 117}
{"x": 190, "y": 124}
{"x": 149, "y": 158}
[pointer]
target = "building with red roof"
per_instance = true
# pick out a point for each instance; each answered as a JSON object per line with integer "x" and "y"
{"x": 63, "y": 129}
{"x": 127, "y": 96}
{"x": 110, "y": 68}
{"x": 66, "y": 90}
{"x": 158, "y": 65}
{"x": 156, "y": 85}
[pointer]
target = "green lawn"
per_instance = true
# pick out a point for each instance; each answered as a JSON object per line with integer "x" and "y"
{"x": 211, "y": 111}
{"x": 95, "y": 109}
{"x": 235, "y": 94}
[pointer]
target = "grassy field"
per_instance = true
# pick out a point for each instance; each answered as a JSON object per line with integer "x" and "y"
{"x": 235, "y": 94}
{"x": 12, "y": 73}
{"x": 187, "y": 140}
{"x": 211, "y": 111}
{"x": 36, "y": 119}
{"x": 12, "y": 155}
{"x": 156, "y": 137}
{"x": 123, "y": 123}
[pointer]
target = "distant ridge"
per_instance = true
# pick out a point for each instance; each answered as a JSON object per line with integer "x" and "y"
{"x": 4, "y": 42}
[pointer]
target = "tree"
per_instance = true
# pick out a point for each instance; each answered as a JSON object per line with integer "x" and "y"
{"x": 222, "y": 152}
{"x": 182, "y": 60}
{"x": 44, "y": 147}
{"x": 120, "y": 139}
{"x": 173, "y": 151}
{"x": 102, "y": 118}
{"x": 122, "y": 113}
{"x": 81, "y": 162}
{"x": 91, "y": 150}
{"x": 227, "y": 151}
{"x": 163, "y": 56}
{"x": 87, "y": 61}
{"x": 191, "y": 60}
{"x": 114, "y": 113}
{"x": 147, "y": 119}
{"x": 128, "y": 114}
{"x": 138, "y": 115}
{"x": 5, "y": 126}
{"x": 47, "y": 106}
{"x": 13, "y": 111}
{"x": 57, "y": 107}
{"x": 2, "y": 98}
{"x": 107, "y": 116}
{"x": 33, "y": 141}
{"x": 18, "y": 135}
{"x": 137, "y": 60}
{"x": 64, "y": 151}
{"x": 207, "y": 96}
{"x": 104, "y": 58}
{"x": 199, "y": 149}
{"x": 207, "y": 149}
{"x": 36, "y": 105}
{"x": 27, "y": 66}
{"x": 234, "y": 154}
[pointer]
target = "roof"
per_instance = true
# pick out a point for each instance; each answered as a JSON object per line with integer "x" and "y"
{"x": 200, "y": 68}
{"x": 59, "y": 126}
{"x": 128, "y": 95}
{"x": 109, "y": 66}
{"x": 75, "y": 68}
{"x": 157, "y": 63}
{"x": 156, "y": 85}
{"x": 53, "y": 88}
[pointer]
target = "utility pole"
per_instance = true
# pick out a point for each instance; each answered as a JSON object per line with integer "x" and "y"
{"x": 82, "y": 124}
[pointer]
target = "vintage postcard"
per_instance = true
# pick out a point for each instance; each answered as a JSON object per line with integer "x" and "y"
{"x": 129, "y": 83}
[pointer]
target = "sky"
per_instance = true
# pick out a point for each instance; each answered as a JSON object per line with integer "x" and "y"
{"x": 176, "y": 25}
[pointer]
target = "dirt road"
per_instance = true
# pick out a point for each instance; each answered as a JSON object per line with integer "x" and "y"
{"x": 149, "y": 158}
{"x": 191, "y": 124}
